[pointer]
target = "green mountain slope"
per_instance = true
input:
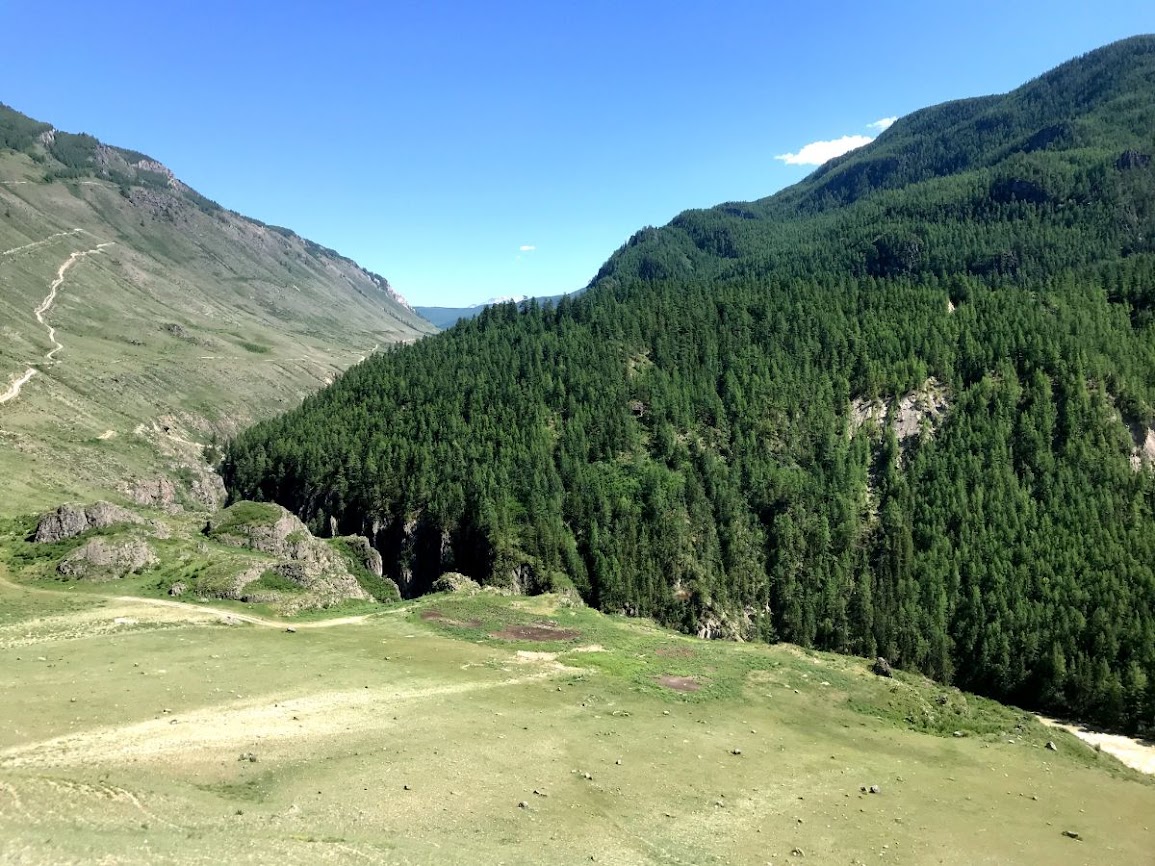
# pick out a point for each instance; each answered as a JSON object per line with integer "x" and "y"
{"x": 178, "y": 319}
{"x": 948, "y": 190}
{"x": 903, "y": 408}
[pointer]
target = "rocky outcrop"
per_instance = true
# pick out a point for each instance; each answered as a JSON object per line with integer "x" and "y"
{"x": 1143, "y": 450}
{"x": 306, "y": 561}
{"x": 524, "y": 579}
{"x": 1130, "y": 159}
{"x": 208, "y": 489}
{"x": 368, "y": 558}
{"x": 260, "y": 526}
{"x": 151, "y": 165}
{"x": 152, "y": 493}
{"x": 453, "y": 581}
{"x": 906, "y": 415}
{"x": 415, "y": 551}
{"x": 735, "y": 625}
{"x": 69, "y": 521}
{"x": 105, "y": 559}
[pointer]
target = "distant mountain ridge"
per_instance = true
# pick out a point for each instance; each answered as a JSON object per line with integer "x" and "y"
{"x": 447, "y": 317}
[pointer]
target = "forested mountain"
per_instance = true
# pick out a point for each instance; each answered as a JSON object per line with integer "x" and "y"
{"x": 979, "y": 186}
{"x": 902, "y": 408}
{"x": 175, "y": 317}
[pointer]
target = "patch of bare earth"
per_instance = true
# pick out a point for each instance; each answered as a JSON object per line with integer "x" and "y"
{"x": 434, "y": 615}
{"x": 278, "y": 724}
{"x": 532, "y": 656}
{"x": 537, "y": 633}
{"x": 679, "y": 684}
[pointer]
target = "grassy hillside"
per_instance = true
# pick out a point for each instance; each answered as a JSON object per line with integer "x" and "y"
{"x": 489, "y": 729}
{"x": 911, "y": 416}
{"x": 182, "y": 321}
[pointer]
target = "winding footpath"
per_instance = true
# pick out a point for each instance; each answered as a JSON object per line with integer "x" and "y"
{"x": 195, "y": 609}
{"x": 14, "y": 389}
{"x": 40, "y": 243}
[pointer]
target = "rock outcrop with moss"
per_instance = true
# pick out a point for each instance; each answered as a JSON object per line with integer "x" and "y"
{"x": 302, "y": 562}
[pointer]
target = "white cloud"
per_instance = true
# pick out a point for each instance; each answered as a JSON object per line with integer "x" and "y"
{"x": 527, "y": 248}
{"x": 818, "y": 152}
{"x": 883, "y": 124}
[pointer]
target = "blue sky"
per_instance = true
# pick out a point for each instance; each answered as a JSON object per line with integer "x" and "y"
{"x": 467, "y": 150}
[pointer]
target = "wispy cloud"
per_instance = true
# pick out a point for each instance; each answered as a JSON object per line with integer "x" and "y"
{"x": 818, "y": 152}
{"x": 527, "y": 248}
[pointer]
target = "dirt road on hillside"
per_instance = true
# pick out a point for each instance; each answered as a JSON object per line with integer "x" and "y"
{"x": 14, "y": 388}
{"x": 40, "y": 243}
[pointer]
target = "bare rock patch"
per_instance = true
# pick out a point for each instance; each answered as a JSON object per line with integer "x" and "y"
{"x": 104, "y": 559}
{"x": 69, "y": 521}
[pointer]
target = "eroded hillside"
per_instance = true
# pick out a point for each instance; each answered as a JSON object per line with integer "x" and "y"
{"x": 140, "y": 320}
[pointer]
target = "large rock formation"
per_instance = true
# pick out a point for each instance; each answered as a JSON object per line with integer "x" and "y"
{"x": 360, "y": 548}
{"x": 303, "y": 560}
{"x": 68, "y": 521}
{"x": 106, "y": 559}
{"x": 152, "y": 492}
{"x": 907, "y": 415}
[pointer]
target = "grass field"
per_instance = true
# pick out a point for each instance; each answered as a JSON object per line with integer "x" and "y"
{"x": 494, "y": 730}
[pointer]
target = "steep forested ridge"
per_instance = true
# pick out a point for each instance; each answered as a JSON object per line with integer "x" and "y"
{"x": 690, "y": 438}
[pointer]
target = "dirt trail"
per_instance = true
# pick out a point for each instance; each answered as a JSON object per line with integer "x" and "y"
{"x": 275, "y": 720}
{"x": 1137, "y": 754}
{"x": 41, "y": 243}
{"x": 224, "y": 613}
{"x": 376, "y": 346}
{"x": 46, "y": 304}
{"x": 198, "y": 610}
{"x": 14, "y": 388}
{"x": 202, "y": 734}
